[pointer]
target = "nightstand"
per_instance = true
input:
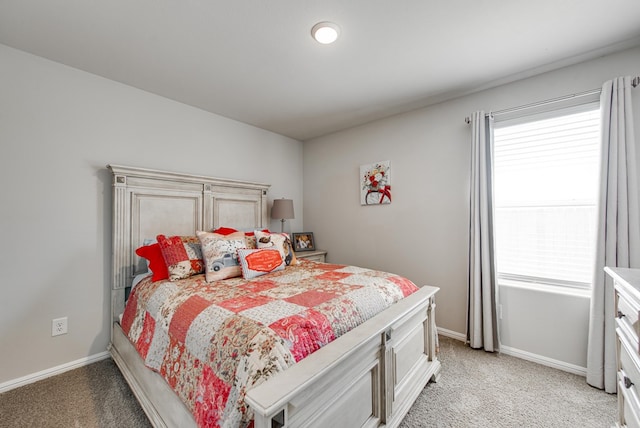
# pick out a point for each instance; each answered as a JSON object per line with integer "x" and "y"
{"x": 314, "y": 255}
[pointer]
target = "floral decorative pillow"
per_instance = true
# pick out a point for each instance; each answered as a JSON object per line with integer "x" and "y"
{"x": 220, "y": 254}
{"x": 249, "y": 235}
{"x": 258, "y": 262}
{"x": 182, "y": 256}
{"x": 155, "y": 261}
{"x": 279, "y": 241}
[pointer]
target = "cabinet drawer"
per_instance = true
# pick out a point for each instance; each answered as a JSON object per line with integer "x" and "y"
{"x": 629, "y": 382}
{"x": 629, "y": 403}
{"x": 623, "y": 330}
{"x": 629, "y": 363}
{"x": 314, "y": 256}
{"x": 628, "y": 312}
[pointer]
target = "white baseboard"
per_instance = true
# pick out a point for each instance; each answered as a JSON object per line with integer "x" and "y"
{"x": 452, "y": 334}
{"x": 545, "y": 361}
{"x": 34, "y": 377}
{"x": 518, "y": 353}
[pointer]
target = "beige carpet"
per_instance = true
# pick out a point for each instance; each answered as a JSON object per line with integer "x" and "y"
{"x": 476, "y": 389}
{"x": 92, "y": 396}
{"x": 480, "y": 389}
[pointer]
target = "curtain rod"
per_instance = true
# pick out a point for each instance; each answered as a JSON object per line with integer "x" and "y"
{"x": 634, "y": 82}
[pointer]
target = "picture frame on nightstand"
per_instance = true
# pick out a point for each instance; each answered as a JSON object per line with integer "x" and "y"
{"x": 303, "y": 241}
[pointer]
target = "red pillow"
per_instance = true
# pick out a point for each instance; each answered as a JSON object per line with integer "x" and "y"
{"x": 228, "y": 231}
{"x": 224, "y": 231}
{"x": 156, "y": 261}
{"x": 253, "y": 233}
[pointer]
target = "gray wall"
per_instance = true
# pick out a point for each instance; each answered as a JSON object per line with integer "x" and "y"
{"x": 423, "y": 234}
{"x": 59, "y": 128}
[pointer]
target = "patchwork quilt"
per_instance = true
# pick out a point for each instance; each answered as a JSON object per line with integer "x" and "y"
{"x": 212, "y": 342}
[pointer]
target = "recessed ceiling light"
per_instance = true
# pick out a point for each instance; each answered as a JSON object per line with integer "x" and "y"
{"x": 325, "y": 32}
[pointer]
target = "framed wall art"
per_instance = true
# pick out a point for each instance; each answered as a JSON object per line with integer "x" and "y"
{"x": 375, "y": 182}
{"x": 303, "y": 241}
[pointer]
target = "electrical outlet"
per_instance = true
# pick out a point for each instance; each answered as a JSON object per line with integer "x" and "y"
{"x": 59, "y": 326}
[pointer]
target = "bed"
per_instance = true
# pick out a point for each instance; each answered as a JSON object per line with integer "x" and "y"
{"x": 369, "y": 376}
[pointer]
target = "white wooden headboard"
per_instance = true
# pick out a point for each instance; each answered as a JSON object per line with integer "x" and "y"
{"x": 149, "y": 202}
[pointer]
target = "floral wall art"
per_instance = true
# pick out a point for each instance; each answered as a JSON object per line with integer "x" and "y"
{"x": 375, "y": 183}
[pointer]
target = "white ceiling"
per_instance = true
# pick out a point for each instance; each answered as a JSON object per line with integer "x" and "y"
{"x": 255, "y": 60}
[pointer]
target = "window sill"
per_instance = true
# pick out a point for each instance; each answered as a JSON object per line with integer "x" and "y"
{"x": 545, "y": 288}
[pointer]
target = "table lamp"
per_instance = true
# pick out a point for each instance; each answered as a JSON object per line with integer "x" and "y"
{"x": 283, "y": 210}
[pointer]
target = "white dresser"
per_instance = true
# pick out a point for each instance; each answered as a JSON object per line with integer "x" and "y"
{"x": 627, "y": 301}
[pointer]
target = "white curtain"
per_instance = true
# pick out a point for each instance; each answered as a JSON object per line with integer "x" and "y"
{"x": 482, "y": 326}
{"x": 618, "y": 240}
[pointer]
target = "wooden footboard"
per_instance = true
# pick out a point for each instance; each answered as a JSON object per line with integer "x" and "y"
{"x": 366, "y": 378}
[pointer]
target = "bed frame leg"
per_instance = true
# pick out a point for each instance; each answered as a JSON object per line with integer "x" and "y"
{"x": 432, "y": 343}
{"x": 388, "y": 381}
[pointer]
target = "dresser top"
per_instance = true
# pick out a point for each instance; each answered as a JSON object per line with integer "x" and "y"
{"x": 627, "y": 275}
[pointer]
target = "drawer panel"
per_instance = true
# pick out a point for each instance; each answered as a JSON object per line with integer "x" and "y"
{"x": 629, "y": 403}
{"x": 628, "y": 313}
{"x": 628, "y": 364}
{"x": 629, "y": 382}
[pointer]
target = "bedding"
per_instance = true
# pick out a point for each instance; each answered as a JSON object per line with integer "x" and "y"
{"x": 182, "y": 256}
{"x": 155, "y": 260}
{"x": 220, "y": 253}
{"x": 258, "y": 262}
{"x": 249, "y": 235}
{"x": 214, "y": 341}
{"x": 279, "y": 241}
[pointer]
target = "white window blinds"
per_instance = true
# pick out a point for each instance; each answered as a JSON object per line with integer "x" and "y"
{"x": 546, "y": 187}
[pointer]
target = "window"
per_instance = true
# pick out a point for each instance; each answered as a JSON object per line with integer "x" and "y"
{"x": 546, "y": 170}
